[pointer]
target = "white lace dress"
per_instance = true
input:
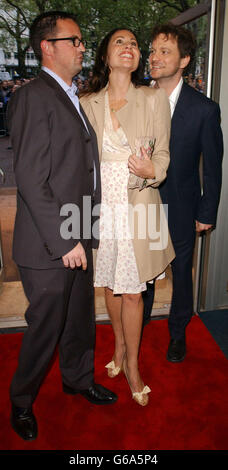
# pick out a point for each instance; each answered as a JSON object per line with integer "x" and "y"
{"x": 115, "y": 264}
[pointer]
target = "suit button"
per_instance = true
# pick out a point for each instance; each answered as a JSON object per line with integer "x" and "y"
{"x": 48, "y": 250}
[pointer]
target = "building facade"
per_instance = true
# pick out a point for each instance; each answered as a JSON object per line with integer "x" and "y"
{"x": 9, "y": 63}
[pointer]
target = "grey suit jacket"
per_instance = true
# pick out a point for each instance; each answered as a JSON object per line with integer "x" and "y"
{"x": 54, "y": 165}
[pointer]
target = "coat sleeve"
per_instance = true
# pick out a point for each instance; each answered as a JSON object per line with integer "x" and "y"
{"x": 162, "y": 124}
{"x": 30, "y": 133}
{"x": 212, "y": 151}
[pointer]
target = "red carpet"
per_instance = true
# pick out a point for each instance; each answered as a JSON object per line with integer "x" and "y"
{"x": 188, "y": 408}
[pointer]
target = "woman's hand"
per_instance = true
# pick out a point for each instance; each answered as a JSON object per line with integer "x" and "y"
{"x": 143, "y": 166}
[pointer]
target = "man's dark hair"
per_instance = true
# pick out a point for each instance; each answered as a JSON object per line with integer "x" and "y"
{"x": 185, "y": 40}
{"x": 44, "y": 26}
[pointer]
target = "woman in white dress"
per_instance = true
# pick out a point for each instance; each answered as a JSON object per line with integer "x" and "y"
{"x": 122, "y": 112}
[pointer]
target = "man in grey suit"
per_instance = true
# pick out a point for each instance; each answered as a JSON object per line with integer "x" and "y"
{"x": 56, "y": 163}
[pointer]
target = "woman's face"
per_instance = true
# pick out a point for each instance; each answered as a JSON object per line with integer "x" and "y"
{"x": 123, "y": 51}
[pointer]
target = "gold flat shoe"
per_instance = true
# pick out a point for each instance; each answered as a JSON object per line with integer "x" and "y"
{"x": 113, "y": 370}
{"x": 140, "y": 397}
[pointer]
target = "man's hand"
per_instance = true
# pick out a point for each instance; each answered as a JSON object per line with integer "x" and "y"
{"x": 201, "y": 227}
{"x": 75, "y": 258}
{"x": 143, "y": 166}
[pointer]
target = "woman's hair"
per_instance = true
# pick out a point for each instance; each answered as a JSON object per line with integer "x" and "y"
{"x": 101, "y": 70}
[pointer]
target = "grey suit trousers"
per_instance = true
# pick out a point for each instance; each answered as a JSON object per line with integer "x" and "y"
{"x": 61, "y": 311}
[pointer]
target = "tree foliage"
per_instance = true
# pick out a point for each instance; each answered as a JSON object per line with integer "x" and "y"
{"x": 95, "y": 17}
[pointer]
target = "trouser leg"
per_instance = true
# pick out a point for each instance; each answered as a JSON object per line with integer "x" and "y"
{"x": 148, "y": 300}
{"x": 182, "y": 298}
{"x": 48, "y": 292}
{"x": 77, "y": 341}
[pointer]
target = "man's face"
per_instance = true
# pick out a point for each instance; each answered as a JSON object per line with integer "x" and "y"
{"x": 4, "y": 85}
{"x": 66, "y": 58}
{"x": 165, "y": 60}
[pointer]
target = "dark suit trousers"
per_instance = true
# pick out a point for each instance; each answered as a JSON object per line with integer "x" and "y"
{"x": 61, "y": 311}
{"x": 182, "y": 298}
{"x": 148, "y": 300}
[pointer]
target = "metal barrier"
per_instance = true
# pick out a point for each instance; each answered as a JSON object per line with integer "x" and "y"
{"x": 3, "y": 122}
{"x": 2, "y": 177}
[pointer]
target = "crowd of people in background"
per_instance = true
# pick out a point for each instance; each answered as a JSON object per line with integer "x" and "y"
{"x": 7, "y": 87}
{"x": 196, "y": 82}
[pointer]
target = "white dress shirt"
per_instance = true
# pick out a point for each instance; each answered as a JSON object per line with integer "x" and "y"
{"x": 175, "y": 95}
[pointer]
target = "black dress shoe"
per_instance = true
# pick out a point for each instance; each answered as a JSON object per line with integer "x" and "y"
{"x": 96, "y": 394}
{"x": 24, "y": 423}
{"x": 176, "y": 350}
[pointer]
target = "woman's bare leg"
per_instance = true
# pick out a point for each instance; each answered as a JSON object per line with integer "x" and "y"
{"x": 126, "y": 315}
{"x": 132, "y": 317}
{"x": 113, "y": 303}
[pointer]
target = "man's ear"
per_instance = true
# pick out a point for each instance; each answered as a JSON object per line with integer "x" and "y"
{"x": 45, "y": 47}
{"x": 184, "y": 61}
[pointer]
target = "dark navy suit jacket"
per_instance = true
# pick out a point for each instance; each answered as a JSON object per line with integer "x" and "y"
{"x": 195, "y": 130}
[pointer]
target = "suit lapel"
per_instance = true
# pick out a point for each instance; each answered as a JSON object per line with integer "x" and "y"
{"x": 97, "y": 105}
{"x": 93, "y": 139}
{"x": 180, "y": 113}
{"x": 90, "y": 128}
{"x": 181, "y": 103}
{"x": 62, "y": 96}
{"x": 127, "y": 115}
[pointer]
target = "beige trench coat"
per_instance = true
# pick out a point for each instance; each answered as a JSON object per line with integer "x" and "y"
{"x": 146, "y": 113}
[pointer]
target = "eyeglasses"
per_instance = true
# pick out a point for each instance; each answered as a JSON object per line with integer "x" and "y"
{"x": 75, "y": 40}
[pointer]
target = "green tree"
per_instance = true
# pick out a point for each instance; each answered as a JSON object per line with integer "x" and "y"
{"x": 179, "y": 6}
{"x": 95, "y": 17}
{"x": 13, "y": 26}
{"x": 15, "y": 20}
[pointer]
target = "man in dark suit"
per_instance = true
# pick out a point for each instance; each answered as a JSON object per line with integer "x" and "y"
{"x": 56, "y": 163}
{"x": 195, "y": 130}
